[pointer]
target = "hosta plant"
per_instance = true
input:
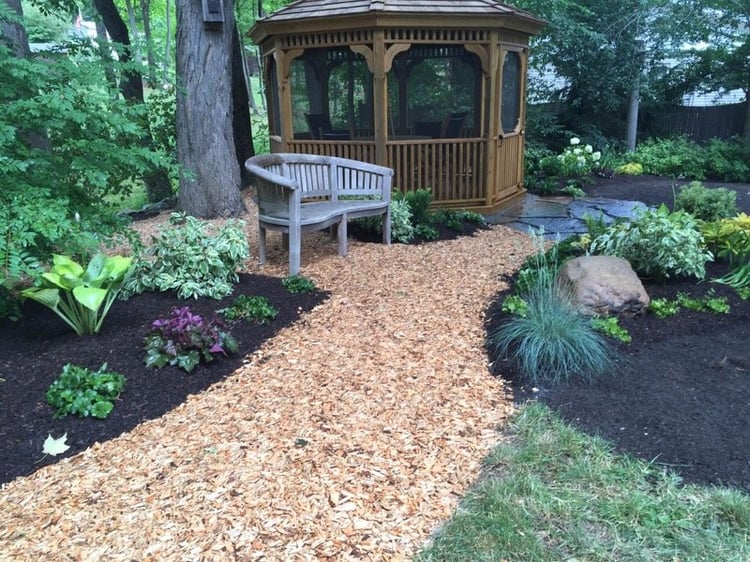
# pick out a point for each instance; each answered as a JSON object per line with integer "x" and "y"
{"x": 657, "y": 243}
{"x": 185, "y": 339}
{"x": 81, "y": 392}
{"x": 81, "y": 297}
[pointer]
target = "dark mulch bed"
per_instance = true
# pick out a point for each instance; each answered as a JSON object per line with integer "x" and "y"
{"x": 35, "y": 349}
{"x": 680, "y": 393}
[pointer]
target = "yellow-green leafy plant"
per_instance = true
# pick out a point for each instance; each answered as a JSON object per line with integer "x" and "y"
{"x": 728, "y": 238}
{"x": 630, "y": 169}
{"x": 81, "y": 297}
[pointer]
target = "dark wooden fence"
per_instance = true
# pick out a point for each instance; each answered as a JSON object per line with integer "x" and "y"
{"x": 702, "y": 123}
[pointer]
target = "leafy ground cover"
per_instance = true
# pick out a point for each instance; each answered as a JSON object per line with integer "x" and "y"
{"x": 36, "y": 348}
{"x": 680, "y": 393}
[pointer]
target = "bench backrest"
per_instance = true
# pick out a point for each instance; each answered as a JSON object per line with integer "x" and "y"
{"x": 327, "y": 176}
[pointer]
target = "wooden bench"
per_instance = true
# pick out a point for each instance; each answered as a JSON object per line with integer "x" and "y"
{"x": 299, "y": 193}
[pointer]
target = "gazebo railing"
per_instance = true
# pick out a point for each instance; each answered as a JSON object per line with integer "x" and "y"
{"x": 453, "y": 169}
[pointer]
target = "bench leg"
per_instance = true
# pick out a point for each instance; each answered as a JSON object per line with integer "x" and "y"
{"x": 342, "y": 236}
{"x": 261, "y": 245}
{"x": 387, "y": 226}
{"x": 295, "y": 243}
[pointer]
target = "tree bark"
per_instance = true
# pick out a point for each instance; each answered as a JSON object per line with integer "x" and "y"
{"x": 131, "y": 82}
{"x": 243, "y": 134}
{"x": 167, "y": 42}
{"x": 150, "y": 58}
{"x": 210, "y": 177}
{"x": 15, "y": 36}
{"x": 14, "y": 33}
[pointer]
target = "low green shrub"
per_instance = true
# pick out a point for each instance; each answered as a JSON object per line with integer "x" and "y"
{"x": 251, "y": 308}
{"x": 515, "y": 305}
{"x": 673, "y": 157}
{"x": 708, "y": 303}
{"x": 419, "y": 201}
{"x": 706, "y": 204}
{"x": 298, "y": 284}
{"x": 728, "y": 160}
{"x": 610, "y": 326}
{"x": 657, "y": 243}
{"x": 184, "y": 339}
{"x": 193, "y": 258}
{"x": 402, "y": 229}
{"x": 663, "y": 308}
{"x": 82, "y": 297}
{"x": 81, "y": 392}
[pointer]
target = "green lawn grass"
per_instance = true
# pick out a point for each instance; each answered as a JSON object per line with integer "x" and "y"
{"x": 552, "y": 493}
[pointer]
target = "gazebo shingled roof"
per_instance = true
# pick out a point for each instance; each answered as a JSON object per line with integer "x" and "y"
{"x": 481, "y": 166}
{"x": 325, "y": 8}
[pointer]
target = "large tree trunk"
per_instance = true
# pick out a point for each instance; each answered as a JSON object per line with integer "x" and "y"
{"x": 150, "y": 58}
{"x": 14, "y": 33}
{"x": 131, "y": 82}
{"x": 210, "y": 177}
{"x": 243, "y": 134}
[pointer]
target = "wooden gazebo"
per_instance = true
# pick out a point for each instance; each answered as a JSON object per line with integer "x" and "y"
{"x": 435, "y": 90}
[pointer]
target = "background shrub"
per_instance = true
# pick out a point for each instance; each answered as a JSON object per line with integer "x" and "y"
{"x": 706, "y": 204}
{"x": 728, "y": 160}
{"x": 674, "y": 157}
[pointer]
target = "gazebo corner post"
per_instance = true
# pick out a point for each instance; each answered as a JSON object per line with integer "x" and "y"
{"x": 284, "y": 60}
{"x": 493, "y": 118}
{"x": 380, "y": 97}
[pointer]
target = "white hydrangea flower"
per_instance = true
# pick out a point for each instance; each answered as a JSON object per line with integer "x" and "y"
{"x": 577, "y": 151}
{"x": 574, "y": 141}
{"x": 589, "y": 148}
{"x": 581, "y": 161}
{"x": 596, "y": 156}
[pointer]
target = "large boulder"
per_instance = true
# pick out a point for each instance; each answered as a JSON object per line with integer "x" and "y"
{"x": 603, "y": 285}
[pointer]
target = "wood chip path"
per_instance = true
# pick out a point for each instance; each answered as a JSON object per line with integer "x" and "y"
{"x": 351, "y": 435}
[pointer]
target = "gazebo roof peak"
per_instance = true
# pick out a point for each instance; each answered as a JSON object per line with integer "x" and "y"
{"x": 314, "y": 9}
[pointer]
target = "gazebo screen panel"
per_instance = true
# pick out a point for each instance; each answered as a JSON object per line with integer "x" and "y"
{"x": 438, "y": 81}
{"x": 334, "y": 83}
{"x": 510, "y": 108}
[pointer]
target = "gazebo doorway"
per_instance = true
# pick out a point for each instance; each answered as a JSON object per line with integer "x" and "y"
{"x": 436, "y": 93}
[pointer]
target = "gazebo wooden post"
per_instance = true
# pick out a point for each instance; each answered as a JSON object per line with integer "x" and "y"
{"x": 284, "y": 65}
{"x": 493, "y": 115}
{"x": 380, "y": 97}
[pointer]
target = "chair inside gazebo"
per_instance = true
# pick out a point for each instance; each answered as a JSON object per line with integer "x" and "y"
{"x": 434, "y": 134}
